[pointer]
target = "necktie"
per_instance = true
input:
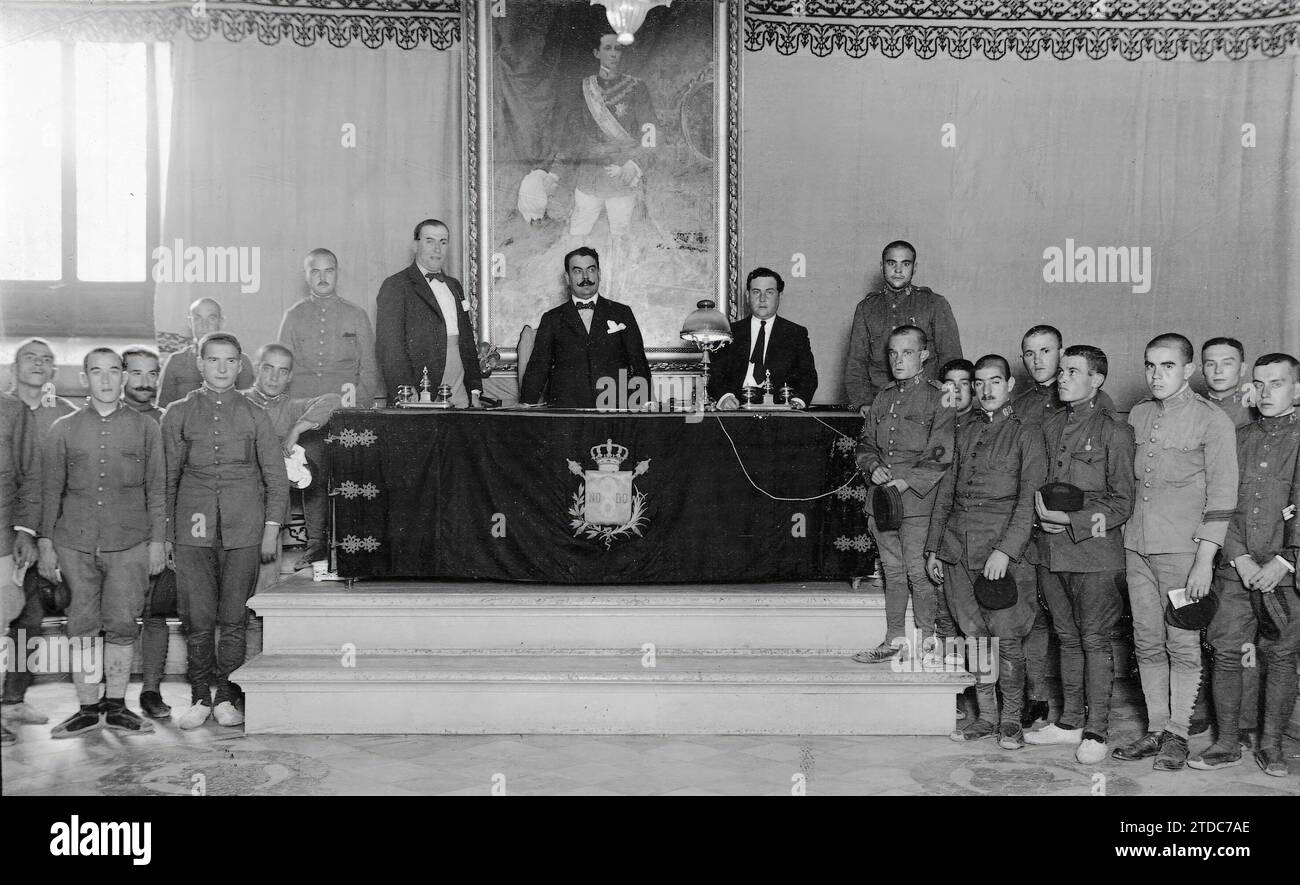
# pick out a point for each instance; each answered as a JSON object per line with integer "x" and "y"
{"x": 586, "y": 305}
{"x": 760, "y": 345}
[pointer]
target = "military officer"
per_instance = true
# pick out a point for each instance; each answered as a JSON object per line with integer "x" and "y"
{"x": 983, "y": 519}
{"x": 1186, "y": 462}
{"x": 1081, "y": 552}
{"x": 1256, "y": 574}
{"x": 907, "y": 443}
{"x": 867, "y": 370}
{"x": 224, "y": 466}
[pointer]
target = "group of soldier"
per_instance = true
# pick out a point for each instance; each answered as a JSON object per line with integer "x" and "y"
{"x": 999, "y": 512}
{"x": 1005, "y": 516}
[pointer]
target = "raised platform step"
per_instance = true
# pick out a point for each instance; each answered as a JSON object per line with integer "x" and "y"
{"x": 592, "y": 694}
{"x": 394, "y": 617}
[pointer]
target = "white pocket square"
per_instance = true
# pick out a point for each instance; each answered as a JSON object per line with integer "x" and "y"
{"x": 615, "y": 327}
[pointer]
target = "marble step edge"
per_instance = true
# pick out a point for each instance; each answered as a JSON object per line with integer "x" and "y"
{"x": 334, "y": 651}
{"x": 813, "y": 672}
{"x": 331, "y": 603}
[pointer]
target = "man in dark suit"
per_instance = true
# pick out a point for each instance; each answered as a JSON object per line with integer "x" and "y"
{"x": 763, "y": 343}
{"x": 586, "y": 339}
{"x": 423, "y": 317}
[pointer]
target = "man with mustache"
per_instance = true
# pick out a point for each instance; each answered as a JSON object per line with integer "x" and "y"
{"x": 899, "y": 303}
{"x": 334, "y": 346}
{"x": 1186, "y": 463}
{"x": 139, "y": 387}
{"x": 181, "y": 372}
{"x": 34, "y": 374}
{"x": 1259, "y": 609}
{"x": 1081, "y": 553}
{"x": 983, "y": 519}
{"x": 102, "y": 525}
{"x": 584, "y": 341}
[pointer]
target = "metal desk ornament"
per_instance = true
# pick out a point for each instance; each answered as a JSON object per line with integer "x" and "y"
{"x": 769, "y": 403}
{"x": 408, "y": 399}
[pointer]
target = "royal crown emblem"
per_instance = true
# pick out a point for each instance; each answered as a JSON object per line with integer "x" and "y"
{"x": 607, "y": 506}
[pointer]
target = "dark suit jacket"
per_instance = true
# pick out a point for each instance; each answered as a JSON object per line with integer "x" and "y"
{"x": 789, "y": 359}
{"x": 567, "y": 361}
{"x": 410, "y": 333}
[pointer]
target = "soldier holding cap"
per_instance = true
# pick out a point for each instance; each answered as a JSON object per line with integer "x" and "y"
{"x": 982, "y": 522}
{"x": 906, "y": 445}
{"x": 1255, "y": 580}
{"x": 1186, "y": 462}
{"x": 1081, "y": 550}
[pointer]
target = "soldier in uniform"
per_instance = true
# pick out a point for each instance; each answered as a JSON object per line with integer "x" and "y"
{"x": 1256, "y": 575}
{"x": 868, "y": 368}
{"x": 20, "y": 512}
{"x": 1040, "y": 351}
{"x": 139, "y": 387}
{"x": 224, "y": 466}
{"x": 983, "y": 518}
{"x": 181, "y": 373}
{"x": 1222, "y": 360}
{"x": 1186, "y": 462}
{"x": 102, "y": 529}
{"x": 34, "y": 374}
{"x": 958, "y": 378}
{"x": 291, "y": 418}
{"x": 907, "y": 443}
{"x": 1081, "y": 553}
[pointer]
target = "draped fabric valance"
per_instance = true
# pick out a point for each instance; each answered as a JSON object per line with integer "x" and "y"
{"x": 1164, "y": 30}
{"x": 406, "y": 24}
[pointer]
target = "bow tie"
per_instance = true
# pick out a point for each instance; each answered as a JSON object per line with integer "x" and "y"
{"x": 585, "y": 305}
{"x": 435, "y": 276}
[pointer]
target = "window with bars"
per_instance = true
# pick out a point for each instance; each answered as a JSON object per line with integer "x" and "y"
{"x": 83, "y": 146}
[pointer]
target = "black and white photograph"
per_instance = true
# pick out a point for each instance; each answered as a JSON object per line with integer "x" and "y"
{"x": 619, "y": 398}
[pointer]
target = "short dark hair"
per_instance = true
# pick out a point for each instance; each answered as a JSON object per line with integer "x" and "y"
{"x": 219, "y": 338}
{"x": 994, "y": 358}
{"x": 316, "y": 253}
{"x": 1173, "y": 339}
{"x": 140, "y": 350}
{"x": 1095, "y": 357}
{"x": 957, "y": 365}
{"x": 765, "y": 272}
{"x": 275, "y": 347}
{"x": 586, "y": 252}
{"x": 1270, "y": 359}
{"x": 1042, "y": 330}
{"x": 1221, "y": 341}
{"x": 899, "y": 244}
{"x": 909, "y": 330}
{"x": 85, "y": 360}
{"x": 419, "y": 227}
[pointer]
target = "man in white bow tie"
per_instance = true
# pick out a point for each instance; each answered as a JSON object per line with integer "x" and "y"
{"x": 586, "y": 343}
{"x": 423, "y": 323}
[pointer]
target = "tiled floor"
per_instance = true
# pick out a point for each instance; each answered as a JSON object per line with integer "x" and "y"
{"x": 223, "y": 761}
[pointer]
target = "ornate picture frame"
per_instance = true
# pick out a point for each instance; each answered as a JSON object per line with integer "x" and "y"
{"x": 523, "y": 80}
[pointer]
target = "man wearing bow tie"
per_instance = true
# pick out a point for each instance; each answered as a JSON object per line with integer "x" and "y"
{"x": 423, "y": 323}
{"x": 586, "y": 339}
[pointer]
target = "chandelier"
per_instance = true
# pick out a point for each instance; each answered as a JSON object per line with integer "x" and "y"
{"x": 625, "y": 16}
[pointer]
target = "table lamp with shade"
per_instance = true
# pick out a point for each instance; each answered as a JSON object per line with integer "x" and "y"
{"x": 707, "y": 329}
